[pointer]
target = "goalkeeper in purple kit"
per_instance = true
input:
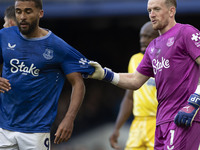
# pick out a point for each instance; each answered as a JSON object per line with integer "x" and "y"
{"x": 173, "y": 59}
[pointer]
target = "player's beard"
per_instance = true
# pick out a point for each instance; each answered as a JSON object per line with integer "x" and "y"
{"x": 30, "y": 29}
{"x": 160, "y": 25}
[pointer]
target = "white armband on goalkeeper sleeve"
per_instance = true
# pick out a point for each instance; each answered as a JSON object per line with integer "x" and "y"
{"x": 110, "y": 76}
{"x": 195, "y": 98}
{"x": 197, "y": 90}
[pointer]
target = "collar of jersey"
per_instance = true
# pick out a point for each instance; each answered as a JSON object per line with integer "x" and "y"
{"x": 36, "y": 39}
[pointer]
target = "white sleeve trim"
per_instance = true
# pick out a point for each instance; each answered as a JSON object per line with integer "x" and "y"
{"x": 115, "y": 80}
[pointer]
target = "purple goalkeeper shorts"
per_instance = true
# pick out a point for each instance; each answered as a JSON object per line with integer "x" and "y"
{"x": 168, "y": 136}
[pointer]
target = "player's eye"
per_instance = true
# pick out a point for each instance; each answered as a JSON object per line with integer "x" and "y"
{"x": 29, "y": 11}
{"x": 18, "y": 11}
{"x": 149, "y": 11}
{"x": 157, "y": 9}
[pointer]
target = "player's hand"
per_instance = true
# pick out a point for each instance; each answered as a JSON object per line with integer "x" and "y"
{"x": 4, "y": 85}
{"x": 114, "y": 140}
{"x": 99, "y": 71}
{"x": 187, "y": 114}
{"x": 64, "y": 131}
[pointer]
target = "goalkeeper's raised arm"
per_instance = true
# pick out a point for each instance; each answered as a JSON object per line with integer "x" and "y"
{"x": 132, "y": 81}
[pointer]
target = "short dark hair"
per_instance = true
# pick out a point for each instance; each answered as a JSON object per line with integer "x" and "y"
{"x": 10, "y": 12}
{"x": 38, "y": 3}
{"x": 170, "y": 3}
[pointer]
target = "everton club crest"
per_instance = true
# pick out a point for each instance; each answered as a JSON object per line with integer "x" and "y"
{"x": 170, "y": 41}
{"x": 48, "y": 54}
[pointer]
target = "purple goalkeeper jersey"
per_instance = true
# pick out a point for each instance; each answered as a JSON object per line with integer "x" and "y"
{"x": 170, "y": 58}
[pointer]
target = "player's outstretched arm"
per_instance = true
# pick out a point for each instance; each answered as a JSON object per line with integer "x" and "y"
{"x": 132, "y": 81}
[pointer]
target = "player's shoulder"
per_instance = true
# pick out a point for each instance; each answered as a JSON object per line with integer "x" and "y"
{"x": 187, "y": 31}
{"x": 186, "y": 27}
{"x": 137, "y": 55}
{"x": 9, "y": 30}
{"x": 55, "y": 37}
{"x": 60, "y": 44}
{"x": 57, "y": 40}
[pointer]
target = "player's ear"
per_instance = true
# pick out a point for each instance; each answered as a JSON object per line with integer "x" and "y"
{"x": 12, "y": 23}
{"x": 41, "y": 13}
{"x": 172, "y": 11}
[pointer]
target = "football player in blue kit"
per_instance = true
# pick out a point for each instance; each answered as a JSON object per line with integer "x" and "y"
{"x": 36, "y": 63}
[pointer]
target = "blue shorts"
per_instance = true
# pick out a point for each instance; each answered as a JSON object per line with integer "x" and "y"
{"x": 168, "y": 136}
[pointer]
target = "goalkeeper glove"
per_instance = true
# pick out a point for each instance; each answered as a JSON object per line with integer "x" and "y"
{"x": 104, "y": 74}
{"x": 186, "y": 115}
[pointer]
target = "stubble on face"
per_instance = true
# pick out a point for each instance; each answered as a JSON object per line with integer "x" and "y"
{"x": 159, "y": 16}
{"x": 30, "y": 27}
{"x": 27, "y": 16}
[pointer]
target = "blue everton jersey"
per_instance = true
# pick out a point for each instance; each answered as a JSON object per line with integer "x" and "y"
{"x": 36, "y": 70}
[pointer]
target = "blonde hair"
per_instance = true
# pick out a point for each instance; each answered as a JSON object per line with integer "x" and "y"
{"x": 170, "y": 3}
